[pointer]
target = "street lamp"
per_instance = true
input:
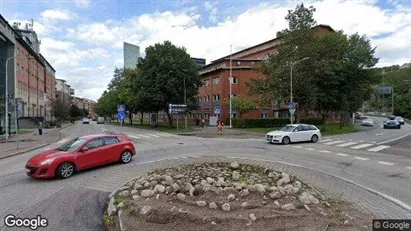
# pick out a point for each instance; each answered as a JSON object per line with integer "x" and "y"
{"x": 7, "y": 97}
{"x": 231, "y": 80}
{"x": 291, "y": 86}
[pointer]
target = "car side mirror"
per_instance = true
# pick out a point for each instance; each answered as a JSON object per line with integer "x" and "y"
{"x": 84, "y": 149}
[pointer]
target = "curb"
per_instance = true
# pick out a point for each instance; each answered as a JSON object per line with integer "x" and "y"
{"x": 37, "y": 147}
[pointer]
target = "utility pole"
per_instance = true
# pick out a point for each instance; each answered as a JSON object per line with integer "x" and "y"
{"x": 185, "y": 100}
{"x": 230, "y": 81}
{"x": 291, "y": 92}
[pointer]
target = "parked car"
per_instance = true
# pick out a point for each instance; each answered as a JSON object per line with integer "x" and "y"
{"x": 400, "y": 119}
{"x": 367, "y": 122}
{"x": 100, "y": 120}
{"x": 81, "y": 153}
{"x": 392, "y": 122}
{"x": 294, "y": 133}
{"x": 86, "y": 121}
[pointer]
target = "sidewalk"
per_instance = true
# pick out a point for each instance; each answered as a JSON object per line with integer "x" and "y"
{"x": 27, "y": 142}
{"x": 211, "y": 132}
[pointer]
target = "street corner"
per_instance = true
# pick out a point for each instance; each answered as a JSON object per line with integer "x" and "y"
{"x": 227, "y": 195}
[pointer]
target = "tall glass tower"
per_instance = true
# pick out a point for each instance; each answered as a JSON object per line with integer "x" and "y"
{"x": 131, "y": 55}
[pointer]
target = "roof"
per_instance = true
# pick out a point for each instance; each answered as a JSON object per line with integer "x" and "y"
{"x": 48, "y": 63}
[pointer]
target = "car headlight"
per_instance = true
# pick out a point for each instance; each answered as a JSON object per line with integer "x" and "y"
{"x": 276, "y": 136}
{"x": 48, "y": 161}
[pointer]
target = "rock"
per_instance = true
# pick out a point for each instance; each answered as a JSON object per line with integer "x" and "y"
{"x": 137, "y": 186}
{"x": 260, "y": 188}
{"x": 281, "y": 190}
{"x": 124, "y": 193}
{"x": 212, "y": 205}
{"x": 210, "y": 180}
{"x": 191, "y": 192}
{"x": 346, "y": 222}
{"x": 130, "y": 183}
{"x": 226, "y": 207}
{"x": 159, "y": 188}
{"x": 168, "y": 180}
{"x": 289, "y": 206}
{"x": 124, "y": 188}
{"x": 275, "y": 195}
{"x": 153, "y": 183}
{"x": 272, "y": 189}
{"x": 146, "y": 193}
{"x": 239, "y": 186}
{"x": 306, "y": 207}
{"x": 244, "y": 193}
{"x": 136, "y": 197}
{"x": 158, "y": 196}
{"x": 187, "y": 187}
{"x": 111, "y": 208}
{"x": 252, "y": 216}
{"x": 290, "y": 189}
{"x": 231, "y": 197}
{"x": 298, "y": 184}
{"x": 179, "y": 176}
{"x": 284, "y": 180}
{"x": 277, "y": 203}
{"x": 157, "y": 178}
{"x": 244, "y": 204}
{"x": 201, "y": 203}
{"x": 146, "y": 184}
{"x": 146, "y": 209}
{"x": 306, "y": 198}
{"x": 220, "y": 182}
{"x": 181, "y": 196}
{"x": 271, "y": 175}
{"x": 229, "y": 189}
{"x": 120, "y": 205}
{"x": 236, "y": 175}
{"x": 251, "y": 188}
{"x": 174, "y": 187}
{"x": 134, "y": 192}
{"x": 327, "y": 204}
{"x": 213, "y": 223}
{"x": 234, "y": 165}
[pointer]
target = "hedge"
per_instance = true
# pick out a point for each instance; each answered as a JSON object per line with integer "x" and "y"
{"x": 268, "y": 123}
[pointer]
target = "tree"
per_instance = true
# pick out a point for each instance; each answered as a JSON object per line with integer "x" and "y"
{"x": 85, "y": 112}
{"x": 76, "y": 111}
{"x": 61, "y": 111}
{"x": 163, "y": 73}
{"x": 242, "y": 104}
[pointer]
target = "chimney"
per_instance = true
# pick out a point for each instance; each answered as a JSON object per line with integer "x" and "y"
{"x": 279, "y": 34}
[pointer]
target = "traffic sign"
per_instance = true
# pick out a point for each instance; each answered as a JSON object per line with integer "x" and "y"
{"x": 177, "y": 108}
{"x": 217, "y": 111}
{"x": 291, "y": 105}
{"x": 121, "y": 115}
{"x": 121, "y": 108}
{"x": 292, "y": 111}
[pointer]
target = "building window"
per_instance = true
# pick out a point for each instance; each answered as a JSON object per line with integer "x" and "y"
{"x": 207, "y": 115}
{"x": 199, "y": 99}
{"x": 207, "y": 98}
{"x": 216, "y": 97}
{"x": 264, "y": 115}
{"x": 235, "y": 80}
{"x": 234, "y": 115}
{"x": 206, "y": 83}
{"x": 216, "y": 81}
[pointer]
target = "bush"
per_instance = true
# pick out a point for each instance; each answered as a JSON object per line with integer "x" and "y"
{"x": 268, "y": 123}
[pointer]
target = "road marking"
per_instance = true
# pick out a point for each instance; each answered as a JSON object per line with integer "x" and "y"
{"x": 135, "y": 137}
{"x": 386, "y": 163}
{"x": 325, "y": 151}
{"x": 163, "y": 134}
{"x": 341, "y": 154}
{"x": 334, "y": 142}
{"x": 347, "y": 144}
{"x": 144, "y": 136}
{"x": 361, "y": 158}
{"x": 310, "y": 149}
{"x": 388, "y": 141}
{"x": 379, "y": 134}
{"x": 378, "y": 148}
{"x": 409, "y": 167}
{"x": 296, "y": 146}
{"x": 154, "y": 135}
{"x": 326, "y": 140}
{"x": 62, "y": 141}
{"x": 362, "y": 146}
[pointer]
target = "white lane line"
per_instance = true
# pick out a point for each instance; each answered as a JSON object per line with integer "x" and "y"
{"x": 162, "y": 134}
{"x": 135, "y": 137}
{"x": 144, "y": 136}
{"x": 347, "y": 144}
{"x": 325, "y": 151}
{"x": 341, "y": 154}
{"x": 310, "y": 149}
{"x": 409, "y": 167}
{"x": 386, "y": 163}
{"x": 362, "y": 146}
{"x": 361, "y": 158}
{"x": 378, "y": 148}
{"x": 62, "y": 141}
{"x": 379, "y": 134}
{"x": 296, "y": 146}
{"x": 334, "y": 142}
{"x": 154, "y": 135}
{"x": 325, "y": 140}
{"x": 397, "y": 138}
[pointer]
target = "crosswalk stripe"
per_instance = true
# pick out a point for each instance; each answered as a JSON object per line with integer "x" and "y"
{"x": 62, "y": 141}
{"x": 386, "y": 163}
{"x": 135, "y": 137}
{"x": 325, "y": 151}
{"x": 341, "y": 154}
{"x": 362, "y": 146}
{"x": 164, "y": 134}
{"x": 144, "y": 136}
{"x": 361, "y": 158}
{"x": 334, "y": 142}
{"x": 296, "y": 146}
{"x": 154, "y": 135}
{"x": 409, "y": 167}
{"x": 347, "y": 144}
{"x": 325, "y": 140}
{"x": 378, "y": 148}
{"x": 310, "y": 149}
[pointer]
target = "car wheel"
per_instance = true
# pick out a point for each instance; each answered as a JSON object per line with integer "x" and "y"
{"x": 385, "y": 127}
{"x": 399, "y": 127}
{"x": 314, "y": 139}
{"x": 65, "y": 170}
{"x": 286, "y": 140}
{"x": 126, "y": 157}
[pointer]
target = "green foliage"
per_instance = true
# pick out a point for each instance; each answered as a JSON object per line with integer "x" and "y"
{"x": 257, "y": 123}
{"x": 76, "y": 111}
{"x": 85, "y": 112}
{"x": 242, "y": 103}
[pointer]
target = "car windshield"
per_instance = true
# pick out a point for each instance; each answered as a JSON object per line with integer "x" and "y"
{"x": 71, "y": 145}
{"x": 287, "y": 128}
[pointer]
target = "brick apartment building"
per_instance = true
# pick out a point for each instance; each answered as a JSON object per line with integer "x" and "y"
{"x": 87, "y": 104}
{"x": 215, "y": 79}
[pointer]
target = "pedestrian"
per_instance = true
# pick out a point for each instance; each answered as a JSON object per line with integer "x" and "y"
{"x": 202, "y": 122}
{"x": 197, "y": 121}
{"x": 220, "y": 127}
{"x": 218, "y": 122}
{"x": 40, "y": 128}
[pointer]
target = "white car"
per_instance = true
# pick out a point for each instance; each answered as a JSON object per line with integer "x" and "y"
{"x": 294, "y": 133}
{"x": 367, "y": 122}
{"x": 85, "y": 121}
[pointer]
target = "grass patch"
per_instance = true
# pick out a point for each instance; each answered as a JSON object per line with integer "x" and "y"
{"x": 161, "y": 127}
{"x": 258, "y": 130}
{"x": 334, "y": 129}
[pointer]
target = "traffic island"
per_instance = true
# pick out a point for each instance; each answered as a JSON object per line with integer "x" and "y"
{"x": 227, "y": 196}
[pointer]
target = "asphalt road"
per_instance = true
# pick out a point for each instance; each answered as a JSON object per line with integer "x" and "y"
{"x": 76, "y": 203}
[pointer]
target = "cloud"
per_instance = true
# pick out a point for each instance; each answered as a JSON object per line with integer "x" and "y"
{"x": 82, "y": 3}
{"x": 211, "y": 7}
{"x": 56, "y": 15}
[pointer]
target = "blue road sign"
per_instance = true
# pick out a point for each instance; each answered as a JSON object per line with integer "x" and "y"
{"x": 217, "y": 111}
{"x": 291, "y": 105}
{"x": 121, "y": 108}
{"x": 121, "y": 115}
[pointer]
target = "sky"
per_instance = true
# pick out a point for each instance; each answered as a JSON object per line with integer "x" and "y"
{"x": 83, "y": 39}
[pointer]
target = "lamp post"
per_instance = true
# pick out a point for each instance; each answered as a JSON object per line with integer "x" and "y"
{"x": 7, "y": 98}
{"x": 230, "y": 81}
{"x": 291, "y": 86}
{"x": 185, "y": 100}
